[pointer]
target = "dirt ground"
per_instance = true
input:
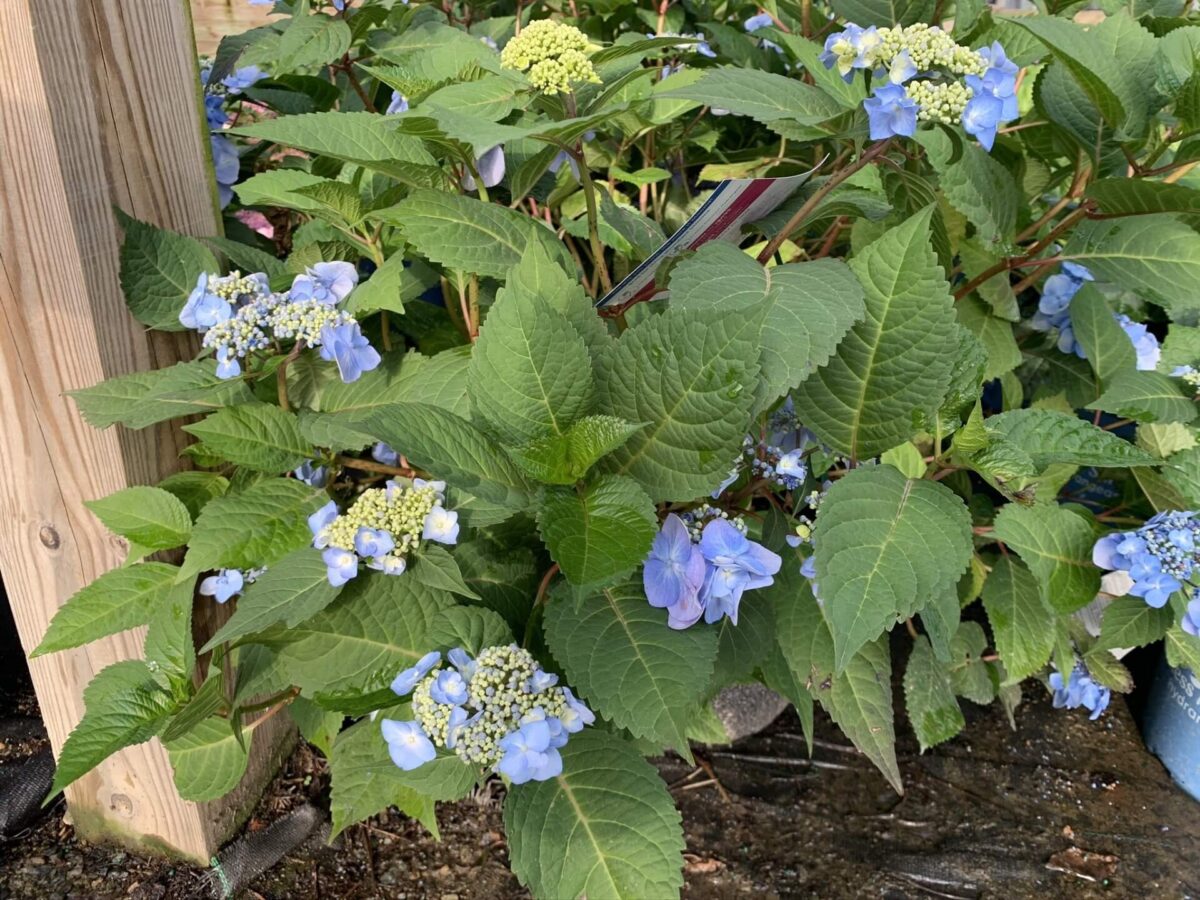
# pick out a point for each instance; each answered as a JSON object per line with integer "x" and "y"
{"x": 1062, "y": 808}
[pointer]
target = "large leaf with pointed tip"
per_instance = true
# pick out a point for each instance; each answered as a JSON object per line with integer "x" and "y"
{"x": 530, "y": 374}
{"x": 140, "y": 399}
{"x": 566, "y": 458}
{"x": 933, "y": 709}
{"x": 1050, "y": 437}
{"x": 252, "y": 528}
{"x": 1081, "y": 51}
{"x": 1022, "y": 624}
{"x": 1147, "y": 397}
{"x": 1131, "y": 622}
{"x": 599, "y": 531}
{"x": 209, "y": 760}
{"x": 539, "y": 274}
{"x": 1109, "y": 350}
{"x": 1056, "y": 544}
{"x": 158, "y": 270}
{"x": 147, "y": 516}
{"x": 378, "y": 626}
{"x": 885, "y": 545}
{"x": 688, "y": 374}
{"x": 622, "y": 658}
{"x": 859, "y": 700}
{"x": 469, "y": 627}
{"x": 605, "y": 829}
{"x": 763, "y": 96}
{"x": 896, "y": 363}
{"x": 258, "y": 436}
{"x": 810, "y": 306}
{"x": 117, "y": 600}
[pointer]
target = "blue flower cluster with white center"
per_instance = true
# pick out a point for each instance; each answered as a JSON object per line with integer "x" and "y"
{"x": 500, "y": 710}
{"x": 927, "y": 77}
{"x": 1160, "y": 557}
{"x": 239, "y": 315}
{"x": 707, "y": 576}
{"x": 1054, "y": 314}
{"x": 382, "y": 527}
{"x": 1079, "y": 690}
{"x": 226, "y": 164}
{"x": 228, "y": 583}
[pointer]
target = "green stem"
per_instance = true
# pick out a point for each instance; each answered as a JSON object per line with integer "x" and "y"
{"x": 593, "y": 214}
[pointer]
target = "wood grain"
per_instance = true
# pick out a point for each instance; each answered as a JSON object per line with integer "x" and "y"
{"x": 99, "y": 107}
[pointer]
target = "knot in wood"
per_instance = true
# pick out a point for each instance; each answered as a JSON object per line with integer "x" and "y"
{"x": 49, "y": 537}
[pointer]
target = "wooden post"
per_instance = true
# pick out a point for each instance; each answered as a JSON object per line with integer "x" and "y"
{"x": 99, "y": 107}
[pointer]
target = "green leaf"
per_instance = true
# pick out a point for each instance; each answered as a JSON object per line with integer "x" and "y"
{"x": 1023, "y": 626}
{"x": 1147, "y": 397}
{"x": 1130, "y": 622}
{"x": 969, "y": 673}
{"x": 606, "y": 828}
{"x": 258, "y": 436}
{"x": 622, "y": 658}
{"x": 208, "y": 761}
{"x": 994, "y": 334}
{"x": 253, "y": 528}
{"x": 687, "y": 374}
{"x": 117, "y": 600}
{"x": 1096, "y": 72}
{"x": 208, "y": 700}
{"x": 170, "y": 648}
{"x": 437, "y": 569}
{"x": 470, "y": 627}
{"x": 1155, "y": 256}
{"x": 860, "y": 702}
{"x": 1109, "y": 350}
{"x": 147, "y": 516}
{"x": 895, "y": 363}
{"x": 1158, "y": 490}
{"x": 905, "y": 459}
{"x": 290, "y": 591}
{"x": 126, "y": 705}
{"x": 530, "y": 374}
{"x": 1183, "y": 649}
{"x": 451, "y": 448}
{"x": 1056, "y": 544}
{"x": 1164, "y": 441}
{"x": 159, "y": 269}
{"x": 763, "y": 96}
{"x": 541, "y": 274}
{"x": 976, "y": 185}
{"x": 369, "y": 140}
{"x": 1182, "y": 472}
{"x": 1050, "y": 437}
{"x": 463, "y": 233}
{"x": 505, "y": 577}
{"x": 884, "y": 12}
{"x": 280, "y": 187}
{"x": 885, "y": 545}
{"x": 337, "y": 202}
{"x": 566, "y": 458}
{"x": 377, "y": 626}
{"x": 933, "y": 710}
{"x": 1106, "y": 669}
{"x": 310, "y": 41}
{"x": 388, "y": 288}
{"x": 141, "y": 399}
{"x": 318, "y": 726}
{"x": 743, "y": 646}
{"x": 1139, "y": 197}
{"x": 599, "y": 532}
{"x": 810, "y": 306}
{"x": 195, "y": 489}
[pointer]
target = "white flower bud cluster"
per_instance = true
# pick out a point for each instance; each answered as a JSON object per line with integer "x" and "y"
{"x": 939, "y": 102}
{"x": 930, "y": 49}
{"x": 304, "y": 319}
{"x": 554, "y": 55}
{"x": 696, "y": 519}
{"x": 396, "y": 509}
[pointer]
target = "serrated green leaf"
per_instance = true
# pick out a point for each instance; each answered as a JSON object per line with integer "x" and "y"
{"x": 1130, "y": 622}
{"x": 1056, "y": 544}
{"x": 933, "y": 710}
{"x": 860, "y": 702}
{"x": 744, "y": 645}
{"x": 566, "y": 458}
{"x": 994, "y": 334}
{"x": 897, "y": 362}
{"x": 318, "y": 726}
{"x": 311, "y": 41}
{"x": 170, "y": 648}
{"x": 125, "y": 705}
{"x": 1183, "y": 649}
{"x": 810, "y": 307}
{"x": 337, "y": 202}
{"x": 1147, "y": 397}
{"x": 117, "y": 600}
{"x": 159, "y": 269}
{"x": 208, "y": 761}
{"x": 1164, "y": 441}
{"x": 975, "y": 184}
{"x": 504, "y": 577}
{"x": 1182, "y": 471}
{"x": 1108, "y": 348}
{"x": 377, "y": 626}
{"x": 469, "y": 627}
{"x": 1108, "y": 670}
{"x": 147, "y": 516}
{"x": 541, "y": 274}
{"x": 969, "y": 674}
{"x": 292, "y": 590}
{"x": 141, "y": 399}
{"x": 1094, "y": 71}
{"x": 436, "y": 568}
{"x": 600, "y": 531}
{"x": 253, "y": 528}
{"x": 258, "y": 436}
{"x": 687, "y": 374}
{"x": 1050, "y": 437}
{"x": 763, "y": 96}
{"x": 884, "y": 546}
{"x": 209, "y": 700}
{"x": 195, "y": 489}
{"x": 1140, "y": 196}
{"x": 606, "y": 828}
{"x": 389, "y": 288}
{"x": 280, "y": 187}
{"x": 1023, "y": 626}
{"x": 622, "y": 658}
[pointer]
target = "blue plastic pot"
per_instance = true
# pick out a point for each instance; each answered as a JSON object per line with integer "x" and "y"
{"x": 1172, "y": 725}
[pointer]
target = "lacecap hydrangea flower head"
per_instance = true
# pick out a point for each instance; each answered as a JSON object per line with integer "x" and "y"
{"x": 702, "y": 566}
{"x": 1160, "y": 557}
{"x": 921, "y": 75}
{"x": 500, "y": 710}
{"x": 552, "y": 54}
{"x": 381, "y": 527}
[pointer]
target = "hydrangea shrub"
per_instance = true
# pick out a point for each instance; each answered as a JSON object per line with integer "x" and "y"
{"x": 933, "y": 408}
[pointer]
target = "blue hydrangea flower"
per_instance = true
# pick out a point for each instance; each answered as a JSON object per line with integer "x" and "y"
{"x": 490, "y": 167}
{"x": 736, "y": 564}
{"x": 384, "y": 454}
{"x": 449, "y": 688}
{"x": 404, "y": 683}
{"x": 319, "y": 521}
{"x": 541, "y": 680}
{"x": 398, "y": 104}
{"x": 225, "y": 584}
{"x": 408, "y": 745}
{"x": 1156, "y": 588}
{"x": 674, "y": 573}
{"x": 461, "y": 660}
{"x": 459, "y": 718}
{"x": 983, "y": 114}
{"x": 341, "y": 565}
{"x": 853, "y": 48}
{"x": 891, "y": 112}
{"x": 228, "y": 365}
{"x": 1079, "y": 690}
{"x": 347, "y": 346}
{"x": 755, "y": 22}
{"x": 214, "y": 111}
{"x": 1191, "y": 616}
{"x": 226, "y": 166}
{"x": 373, "y": 542}
{"x": 791, "y": 465}
{"x": 326, "y": 282}
{"x": 243, "y": 78}
{"x": 203, "y": 308}
{"x": 1145, "y": 344}
{"x": 1159, "y": 557}
{"x": 528, "y": 755}
{"x": 902, "y": 68}
{"x": 441, "y": 525}
{"x": 312, "y": 474}
{"x": 704, "y": 48}
{"x": 577, "y": 715}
